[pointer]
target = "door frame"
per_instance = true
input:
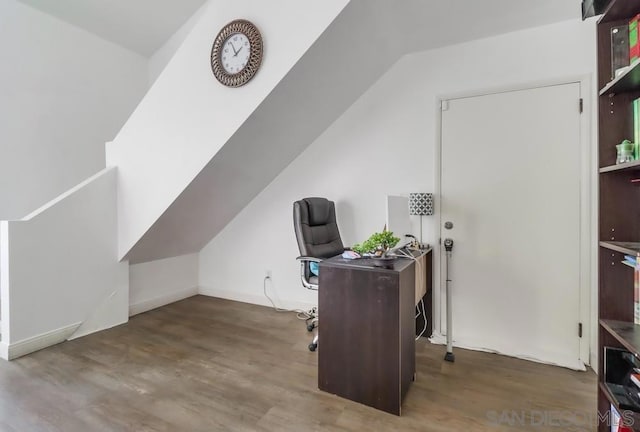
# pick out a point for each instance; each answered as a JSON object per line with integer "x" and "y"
{"x": 588, "y": 211}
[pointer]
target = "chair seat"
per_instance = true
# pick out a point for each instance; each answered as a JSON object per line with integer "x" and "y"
{"x": 313, "y": 280}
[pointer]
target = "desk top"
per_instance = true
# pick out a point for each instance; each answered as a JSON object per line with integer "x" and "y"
{"x": 367, "y": 263}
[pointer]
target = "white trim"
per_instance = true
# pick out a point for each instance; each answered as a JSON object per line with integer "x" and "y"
{"x": 588, "y": 206}
{"x": 588, "y": 223}
{"x": 4, "y": 283}
{"x": 162, "y": 300}
{"x": 437, "y": 202}
{"x": 64, "y": 195}
{"x": 254, "y": 299}
{"x": 577, "y": 365}
{"x": 36, "y": 343}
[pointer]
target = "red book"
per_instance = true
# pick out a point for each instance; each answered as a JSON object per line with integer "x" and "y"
{"x": 634, "y": 39}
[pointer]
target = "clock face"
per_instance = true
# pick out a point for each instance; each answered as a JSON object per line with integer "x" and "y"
{"x": 235, "y": 53}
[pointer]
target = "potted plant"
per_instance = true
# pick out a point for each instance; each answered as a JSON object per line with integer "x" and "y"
{"x": 378, "y": 244}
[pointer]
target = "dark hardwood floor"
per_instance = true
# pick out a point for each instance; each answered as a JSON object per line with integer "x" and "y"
{"x": 206, "y": 364}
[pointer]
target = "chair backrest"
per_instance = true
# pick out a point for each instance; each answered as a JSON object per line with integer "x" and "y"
{"x": 314, "y": 221}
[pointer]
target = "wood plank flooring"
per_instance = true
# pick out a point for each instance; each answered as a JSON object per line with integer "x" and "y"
{"x": 206, "y": 364}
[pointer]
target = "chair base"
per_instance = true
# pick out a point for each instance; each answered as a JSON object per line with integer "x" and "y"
{"x": 314, "y": 344}
{"x": 312, "y": 323}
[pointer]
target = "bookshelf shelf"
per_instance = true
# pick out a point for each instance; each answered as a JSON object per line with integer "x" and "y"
{"x": 629, "y": 248}
{"x": 627, "y": 333}
{"x": 605, "y": 391}
{"x": 629, "y": 166}
{"x": 627, "y": 81}
{"x": 619, "y": 10}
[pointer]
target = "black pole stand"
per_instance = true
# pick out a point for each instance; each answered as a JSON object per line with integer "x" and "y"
{"x": 449, "y": 356}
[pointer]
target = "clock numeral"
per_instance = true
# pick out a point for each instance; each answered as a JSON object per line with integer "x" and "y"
{"x": 235, "y": 38}
{"x": 226, "y": 50}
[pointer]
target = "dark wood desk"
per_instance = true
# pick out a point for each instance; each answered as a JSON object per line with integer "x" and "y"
{"x": 367, "y": 332}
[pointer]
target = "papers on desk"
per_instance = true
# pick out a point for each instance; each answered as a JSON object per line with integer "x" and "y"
{"x": 349, "y": 254}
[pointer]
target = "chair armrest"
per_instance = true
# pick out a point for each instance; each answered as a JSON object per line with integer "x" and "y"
{"x": 309, "y": 259}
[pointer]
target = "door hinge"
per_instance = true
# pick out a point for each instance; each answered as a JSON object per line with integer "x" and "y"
{"x": 440, "y": 240}
{"x": 580, "y": 330}
{"x": 581, "y": 105}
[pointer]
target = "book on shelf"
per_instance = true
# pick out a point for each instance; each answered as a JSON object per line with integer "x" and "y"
{"x": 636, "y": 292}
{"x": 617, "y": 425}
{"x": 634, "y": 45}
{"x": 631, "y": 260}
{"x": 636, "y": 129}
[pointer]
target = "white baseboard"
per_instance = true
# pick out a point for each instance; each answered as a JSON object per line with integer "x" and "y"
{"x": 36, "y": 343}
{"x": 259, "y": 300}
{"x": 437, "y": 338}
{"x": 573, "y": 364}
{"x": 162, "y": 300}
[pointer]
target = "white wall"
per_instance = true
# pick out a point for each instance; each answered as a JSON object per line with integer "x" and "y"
{"x": 64, "y": 92}
{"x": 164, "y": 54}
{"x": 179, "y": 126}
{"x": 384, "y": 144}
{"x": 157, "y": 283}
{"x": 63, "y": 275}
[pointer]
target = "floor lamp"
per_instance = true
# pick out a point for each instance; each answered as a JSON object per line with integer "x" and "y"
{"x": 421, "y": 204}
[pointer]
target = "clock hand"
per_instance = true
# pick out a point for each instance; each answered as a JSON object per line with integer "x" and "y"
{"x": 235, "y": 53}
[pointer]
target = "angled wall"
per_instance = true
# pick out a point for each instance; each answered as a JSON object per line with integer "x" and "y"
{"x": 187, "y": 116}
{"x": 335, "y": 71}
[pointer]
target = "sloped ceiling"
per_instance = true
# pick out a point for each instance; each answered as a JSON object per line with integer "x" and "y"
{"x": 359, "y": 46}
{"x": 139, "y": 25}
{"x": 144, "y": 25}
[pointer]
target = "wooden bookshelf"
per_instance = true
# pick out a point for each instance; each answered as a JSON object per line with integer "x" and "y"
{"x": 619, "y": 212}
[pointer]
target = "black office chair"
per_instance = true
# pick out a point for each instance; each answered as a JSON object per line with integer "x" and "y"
{"x": 314, "y": 221}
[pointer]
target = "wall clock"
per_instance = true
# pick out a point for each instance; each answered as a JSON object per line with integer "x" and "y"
{"x": 237, "y": 53}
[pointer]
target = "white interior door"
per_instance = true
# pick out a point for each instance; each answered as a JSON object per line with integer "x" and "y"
{"x": 510, "y": 184}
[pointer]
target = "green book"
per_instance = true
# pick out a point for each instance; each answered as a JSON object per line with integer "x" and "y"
{"x": 634, "y": 45}
{"x": 636, "y": 129}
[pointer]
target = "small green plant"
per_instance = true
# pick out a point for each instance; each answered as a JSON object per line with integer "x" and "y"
{"x": 377, "y": 242}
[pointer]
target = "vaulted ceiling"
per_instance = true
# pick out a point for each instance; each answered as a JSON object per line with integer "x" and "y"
{"x": 139, "y": 25}
{"x": 144, "y": 25}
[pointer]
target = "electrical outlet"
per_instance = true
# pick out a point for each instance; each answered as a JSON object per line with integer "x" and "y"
{"x": 267, "y": 274}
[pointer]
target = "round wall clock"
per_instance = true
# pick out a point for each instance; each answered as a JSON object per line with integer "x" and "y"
{"x": 237, "y": 53}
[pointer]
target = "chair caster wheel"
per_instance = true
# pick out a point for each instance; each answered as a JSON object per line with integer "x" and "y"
{"x": 313, "y": 346}
{"x": 310, "y": 327}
